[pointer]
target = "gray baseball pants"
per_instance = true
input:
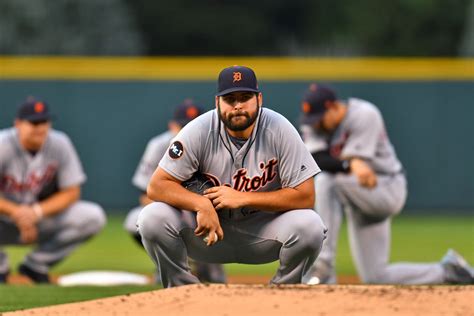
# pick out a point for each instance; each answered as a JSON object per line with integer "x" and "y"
{"x": 213, "y": 271}
{"x": 293, "y": 237}
{"x": 58, "y": 235}
{"x": 369, "y": 213}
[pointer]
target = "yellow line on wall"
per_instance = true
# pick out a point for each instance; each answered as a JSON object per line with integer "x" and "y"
{"x": 207, "y": 68}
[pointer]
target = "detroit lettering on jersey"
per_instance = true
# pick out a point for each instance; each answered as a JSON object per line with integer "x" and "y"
{"x": 244, "y": 183}
{"x": 34, "y": 182}
{"x": 274, "y": 156}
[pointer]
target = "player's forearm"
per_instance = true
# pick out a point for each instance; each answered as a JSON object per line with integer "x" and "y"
{"x": 60, "y": 201}
{"x": 144, "y": 199}
{"x": 172, "y": 193}
{"x": 7, "y": 207}
{"x": 330, "y": 164}
{"x": 285, "y": 199}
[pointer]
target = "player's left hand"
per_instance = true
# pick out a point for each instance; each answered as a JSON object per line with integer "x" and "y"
{"x": 26, "y": 219}
{"x": 224, "y": 197}
{"x": 364, "y": 173}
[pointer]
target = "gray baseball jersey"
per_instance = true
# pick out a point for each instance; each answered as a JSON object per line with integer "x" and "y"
{"x": 368, "y": 211}
{"x": 362, "y": 134}
{"x": 27, "y": 178}
{"x": 154, "y": 151}
{"x": 274, "y": 157}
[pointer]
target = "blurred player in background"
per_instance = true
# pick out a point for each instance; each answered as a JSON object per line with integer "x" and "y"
{"x": 40, "y": 186}
{"x": 156, "y": 148}
{"x": 363, "y": 177}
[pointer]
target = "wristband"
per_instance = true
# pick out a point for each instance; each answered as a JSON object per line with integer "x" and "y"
{"x": 38, "y": 210}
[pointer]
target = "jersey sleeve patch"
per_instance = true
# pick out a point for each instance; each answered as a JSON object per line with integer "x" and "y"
{"x": 176, "y": 150}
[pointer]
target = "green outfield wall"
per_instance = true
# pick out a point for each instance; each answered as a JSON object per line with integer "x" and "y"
{"x": 110, "y": 112}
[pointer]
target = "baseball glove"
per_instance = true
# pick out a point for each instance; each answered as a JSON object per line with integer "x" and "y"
{"x": 198, "y": 183}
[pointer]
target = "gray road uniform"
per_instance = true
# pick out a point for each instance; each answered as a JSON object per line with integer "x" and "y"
{"x": 27, "y": 179}
{"x": 154, "y": 151}
{"x": 362, "y": 134}
{"x": 274, "y": 157}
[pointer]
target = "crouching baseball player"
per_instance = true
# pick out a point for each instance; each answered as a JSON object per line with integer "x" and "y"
{"x": 40, "y": 181}
{"x": 261, "y": 207}
{"x": 155, "y": 150}
{"x": 362, "y": 177}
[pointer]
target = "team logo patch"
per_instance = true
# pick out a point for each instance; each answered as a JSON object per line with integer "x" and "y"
{"x": 237, "y": 76}
{"x": 39, "y": 107}
{"x": 176, "y": 150}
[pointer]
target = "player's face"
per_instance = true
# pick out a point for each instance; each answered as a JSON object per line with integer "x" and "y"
{"x": 238, "y": 110}
{"x": 330, "y": 119}
{"x": 32, "y": 135}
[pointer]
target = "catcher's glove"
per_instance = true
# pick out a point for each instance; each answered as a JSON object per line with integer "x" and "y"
{"x": 198, "y": 183}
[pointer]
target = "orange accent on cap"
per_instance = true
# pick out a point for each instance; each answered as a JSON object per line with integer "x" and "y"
{"x": 39, "y": 107}
{"x": 306, "y": 107}
{"x": 237, "y": 76}
{"x": 192, "y": 112}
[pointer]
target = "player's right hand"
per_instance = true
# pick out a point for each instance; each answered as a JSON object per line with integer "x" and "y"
{"x": 208, "y": 224}
{"x": 364, "y": 173}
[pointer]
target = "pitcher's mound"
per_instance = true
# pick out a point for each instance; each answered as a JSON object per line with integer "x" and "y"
{"x": 286, "y": 300}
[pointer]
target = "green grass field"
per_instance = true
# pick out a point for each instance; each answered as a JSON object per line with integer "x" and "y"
{"x": 417, "y": 239}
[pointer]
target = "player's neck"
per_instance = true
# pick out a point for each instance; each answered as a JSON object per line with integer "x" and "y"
{"x": 342, "y": 111}
{"x": 29, "y": 146}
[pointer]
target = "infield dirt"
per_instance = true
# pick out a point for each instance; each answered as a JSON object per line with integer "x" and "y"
{"x": 235, "y": 299}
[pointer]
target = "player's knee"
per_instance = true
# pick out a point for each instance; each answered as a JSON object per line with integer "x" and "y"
{"x": 130, "y": 223}
{"x": 311, "y": 230}
{"x": 94, "y": 218}
{"x": 153, "y": 219}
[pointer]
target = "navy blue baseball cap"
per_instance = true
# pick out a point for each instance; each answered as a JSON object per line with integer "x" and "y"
{"x": 34, "y": 111}
{"x": 186, "y": 112}
{"x": 314, "y": 103}
{"x": 236, "y": 78}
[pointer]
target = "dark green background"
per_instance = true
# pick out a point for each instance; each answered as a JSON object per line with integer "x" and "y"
{"x": 110, "y": 122}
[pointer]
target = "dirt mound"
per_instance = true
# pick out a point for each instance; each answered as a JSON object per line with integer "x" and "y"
{"x": 232, "y": 279}
{"x": 286, "y": 300}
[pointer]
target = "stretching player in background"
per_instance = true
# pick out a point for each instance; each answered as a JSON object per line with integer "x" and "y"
{"x": 260, "y": 209}
{"x": 363, "y": 177}
{"x": 40, "y": 186}
{"x": 156, "y": 148}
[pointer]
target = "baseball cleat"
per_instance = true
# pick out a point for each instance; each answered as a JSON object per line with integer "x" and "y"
{"x": 319, "y": 273}
{"x": 314, "y": 280}
{"x": 4, "y": 277}
{"x": 34, "y": 276}
{"x": 457, "y": 270}
{"x": 210, "y": 272}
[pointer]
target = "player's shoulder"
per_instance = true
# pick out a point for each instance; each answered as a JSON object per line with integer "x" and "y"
{"x": 204, "y": 123}
{"x": 58, "y": 138}
{"x": 363, "y": 105}
{"x": 360, "y": 108}
{"x": 6, "y": 136}
{"x": 274, "y": 118}
{"x": 6, "y": 133}
{"x": 275, "y": 122}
